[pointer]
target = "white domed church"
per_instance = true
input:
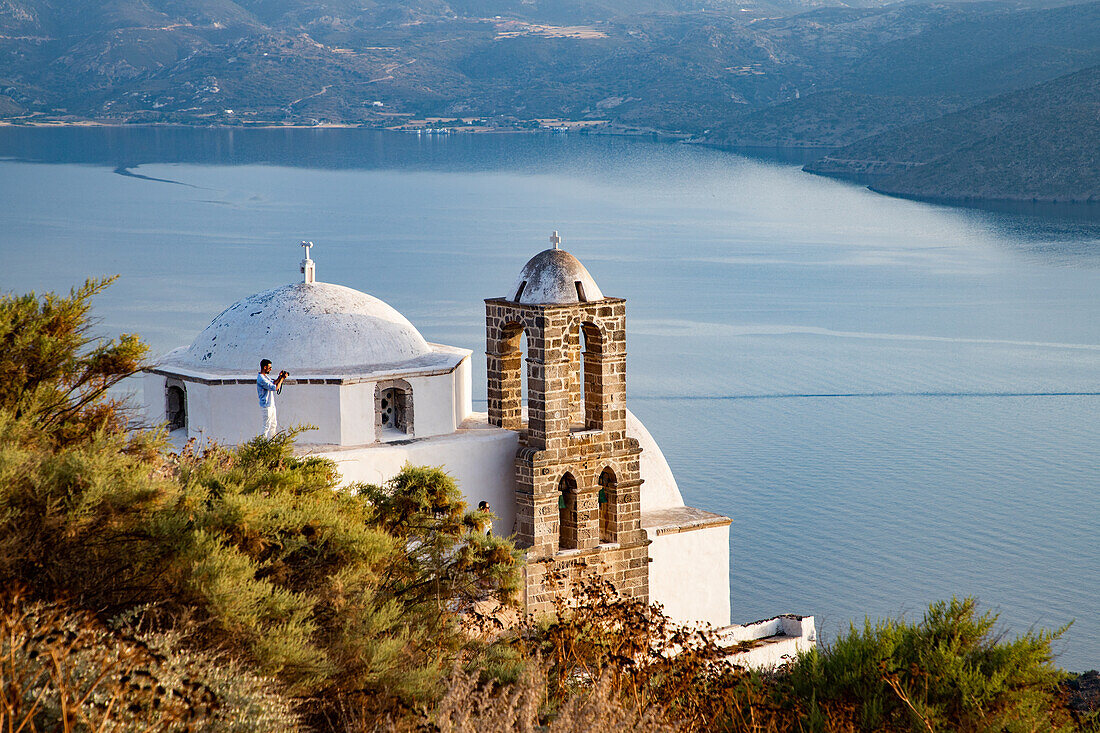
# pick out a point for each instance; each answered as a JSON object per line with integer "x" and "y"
{"x": 570, "y": 473}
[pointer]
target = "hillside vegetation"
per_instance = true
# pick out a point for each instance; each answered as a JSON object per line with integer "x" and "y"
{"x": 1041, "y": 144}
{"x": 799, "y": 73}
{"x": 673, "y": 65}
{"x": 241, "y": 589}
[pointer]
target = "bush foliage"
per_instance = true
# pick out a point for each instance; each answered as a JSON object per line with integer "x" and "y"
{"x": 250, "y": 552}
{"x": 63, "y": 670}
{"x": 243, "y": 588}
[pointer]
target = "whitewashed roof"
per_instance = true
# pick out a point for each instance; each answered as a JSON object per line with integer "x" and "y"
{"x": 552, "y": 277}
{"x": 305, "y": 327}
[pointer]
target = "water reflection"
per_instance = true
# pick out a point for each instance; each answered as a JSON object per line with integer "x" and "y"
{"x": 320, "y": 148}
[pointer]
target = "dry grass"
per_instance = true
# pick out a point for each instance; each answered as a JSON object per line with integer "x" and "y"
{"x": 470, "y": 706}
{"x": 61, "y": 671}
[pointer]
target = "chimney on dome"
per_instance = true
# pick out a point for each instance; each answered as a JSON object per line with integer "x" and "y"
{"x": 308, "y": 268}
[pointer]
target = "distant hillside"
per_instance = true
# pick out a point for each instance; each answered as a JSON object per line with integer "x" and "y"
{"x": 826, "y": 120}
{"x": 801, "y": 73}
{"x": 978, "y": 55}
{"x": 1041, "y": 143}
{"x": 675, "y": 65}
{"x": 880, "y": 70}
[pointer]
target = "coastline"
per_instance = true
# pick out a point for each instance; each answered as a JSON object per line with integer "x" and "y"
{"x": 1082, "y": 206}
{"x": 583, "y": 127}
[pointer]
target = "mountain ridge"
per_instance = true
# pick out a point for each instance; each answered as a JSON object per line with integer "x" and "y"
{"x": 1035, "y": 144}
{"x": 727, "y": 72}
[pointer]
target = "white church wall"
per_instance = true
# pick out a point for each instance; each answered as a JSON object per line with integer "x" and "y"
{"x": 198, "y": 412}
{"x": 433, "y": 405}
{"x": 234, "y": 412}
{"x": 463, "y": 391}
{"x": 152, "y": 398}
{"x": 689, "y": 575}
{"x": 480, "y": 461}
{"x": 357, "y": 413}
{"x": 230, "y": 413}
{"x": 301, "y": 404}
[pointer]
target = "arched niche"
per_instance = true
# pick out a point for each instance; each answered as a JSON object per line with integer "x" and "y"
{"x": 568, "y": 521}
{"x": 608, "y": 484}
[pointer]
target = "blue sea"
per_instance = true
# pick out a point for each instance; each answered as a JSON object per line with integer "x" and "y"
{"x": 895, "y": 401}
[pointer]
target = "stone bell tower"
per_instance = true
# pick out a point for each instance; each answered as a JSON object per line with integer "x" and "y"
{"x": 577, "y": 473}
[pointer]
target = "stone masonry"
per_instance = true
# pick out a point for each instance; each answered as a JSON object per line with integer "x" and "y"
{"x": 574, "y": 432}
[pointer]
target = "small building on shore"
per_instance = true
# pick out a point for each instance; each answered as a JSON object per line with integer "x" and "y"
{"x": 571, "y": 474}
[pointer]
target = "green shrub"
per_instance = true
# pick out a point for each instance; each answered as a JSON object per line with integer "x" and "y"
{"x": 951, "y": 671}
{"x": 55, "y": 373}
{"x": 251, "y": 552}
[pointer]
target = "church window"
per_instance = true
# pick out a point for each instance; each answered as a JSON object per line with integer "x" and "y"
{"x": 607, "y": 494}
{"x": 567, "y": 513}
{"x": 393, "y": 410}
{"x": 580, "y": 291}
{"x": 175, "y": 406}
{"x": 519, "y": 291}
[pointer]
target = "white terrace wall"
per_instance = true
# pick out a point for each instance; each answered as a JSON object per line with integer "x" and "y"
{"x": 779, "y": 640}
{"x": 689, "y": 575}
{"x": 480, "y": 458}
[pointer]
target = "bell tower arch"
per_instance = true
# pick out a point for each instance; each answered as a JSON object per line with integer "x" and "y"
{"x": 573, "y": 431}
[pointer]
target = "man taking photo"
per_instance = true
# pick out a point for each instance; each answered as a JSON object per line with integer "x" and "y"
{"x": 266, "y": 388}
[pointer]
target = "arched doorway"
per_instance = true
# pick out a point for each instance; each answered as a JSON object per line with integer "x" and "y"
{"x": 175, "y": 398}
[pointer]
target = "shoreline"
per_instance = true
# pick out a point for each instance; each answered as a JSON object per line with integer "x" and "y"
{"x": 584, "y": 127}
{"x": 784, "y": 155}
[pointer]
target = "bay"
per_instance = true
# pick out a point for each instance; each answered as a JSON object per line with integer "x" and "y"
{"x": 894, "y": 401}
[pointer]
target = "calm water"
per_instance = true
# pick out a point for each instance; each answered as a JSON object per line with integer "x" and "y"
{"x": 895, "y": 401}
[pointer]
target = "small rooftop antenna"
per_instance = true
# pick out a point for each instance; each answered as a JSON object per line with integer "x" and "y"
{"x": 309, "y": 269}
{"x": 555, "y": 239}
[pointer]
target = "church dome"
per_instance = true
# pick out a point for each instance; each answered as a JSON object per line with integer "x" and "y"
{"x": 659, "y": 490}
{"x": 554, "y": 276}
{"x": 305, "y": 327}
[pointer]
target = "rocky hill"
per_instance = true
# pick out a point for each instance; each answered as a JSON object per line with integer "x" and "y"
{"x": 1040, "y": 143}
{"x": 803, "y": 73}
{"x": 687, "y": 65}
{"x": 939, "y": 60}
